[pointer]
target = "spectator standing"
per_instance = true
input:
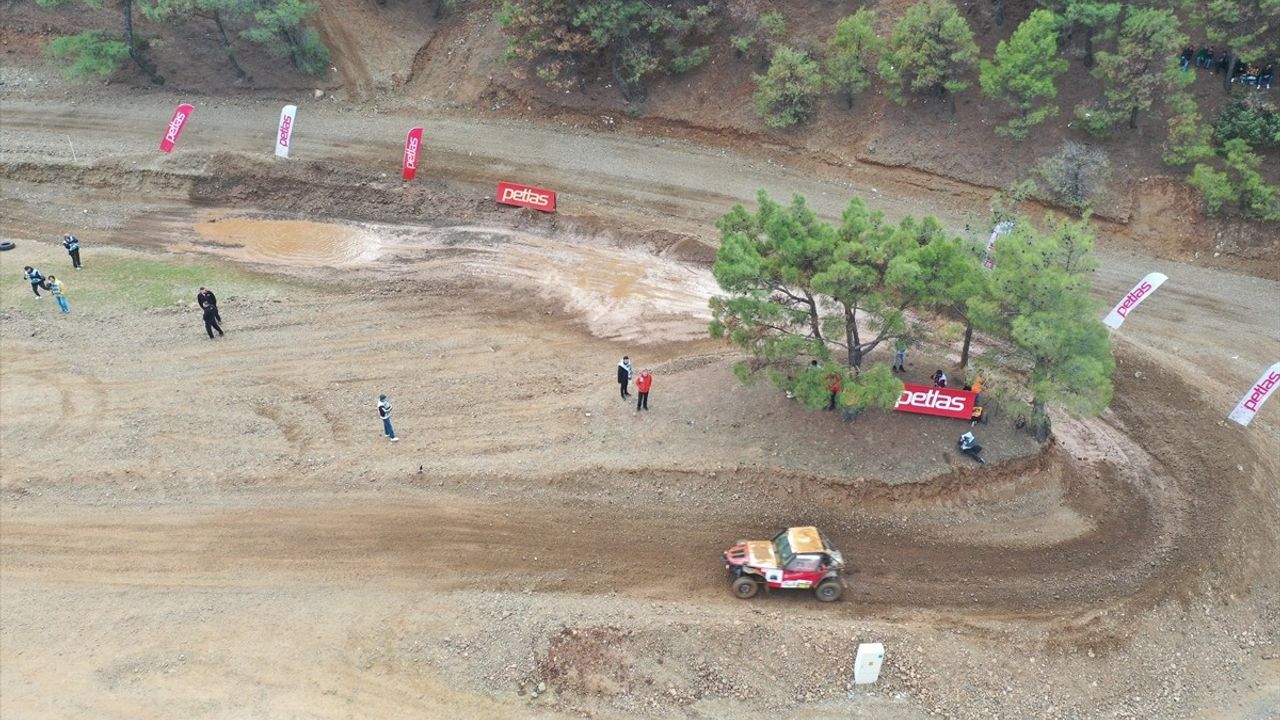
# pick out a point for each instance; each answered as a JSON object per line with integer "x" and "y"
{"x": 625, "y": 371}
{"x": 1265, "y": 79}
{"x": 833, "y": 385}
{"x": 384, "y": 412}
{"x": 36, "y": 278}
{"x": 56, "y": 287}
{"x": 72, "y": 244}
{"x": 1185, "y": 60}
{"x": 211, "y": 320}
{"x": 643, "y": 383}
{"x": 206, "y": 297}
{"x": 900, "y": 356}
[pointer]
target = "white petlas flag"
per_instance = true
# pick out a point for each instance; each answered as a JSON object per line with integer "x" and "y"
{"x": 1258, "y": 394}
{"x": 1140, "y": 292}
{"x": 284, "y": 133}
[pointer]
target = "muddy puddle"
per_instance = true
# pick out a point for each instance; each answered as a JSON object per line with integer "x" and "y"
{"x": 619, "y": 292}
{"x": 290, "y": 242}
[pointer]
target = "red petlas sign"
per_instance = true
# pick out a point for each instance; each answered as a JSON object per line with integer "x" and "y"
{"x": 176, "y": 123}
{"x": 525, "y": 196}
{"x": 412, "y": 151}
{"x": 946, "y": 402}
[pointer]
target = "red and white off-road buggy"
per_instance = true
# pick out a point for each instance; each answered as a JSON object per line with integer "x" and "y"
{"x": 798, "y": 557}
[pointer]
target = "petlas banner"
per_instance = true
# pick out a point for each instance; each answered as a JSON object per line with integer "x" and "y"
{"x": 1258, "y": 394}
{"x": 179, "y": 120}
{"x": 945, "y": 402}
{"x": 1140, "y": 292}
{"x": 284, "y": 134}
{"x": 525, "y": 196}
{"x": 412, "y": 150}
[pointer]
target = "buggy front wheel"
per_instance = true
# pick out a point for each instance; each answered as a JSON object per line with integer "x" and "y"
{"x": 828, "y": 590}
{"x": 745, "y": 588}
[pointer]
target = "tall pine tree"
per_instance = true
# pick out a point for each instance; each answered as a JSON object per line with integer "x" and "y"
{"x": 1024, "y": 71}
{"x": 931, "y": 52}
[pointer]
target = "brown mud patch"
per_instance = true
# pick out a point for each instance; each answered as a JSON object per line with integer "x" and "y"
{"x": 289, "y": 242}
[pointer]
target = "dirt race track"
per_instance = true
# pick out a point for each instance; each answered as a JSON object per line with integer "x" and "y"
{"x": 197, "y": 528}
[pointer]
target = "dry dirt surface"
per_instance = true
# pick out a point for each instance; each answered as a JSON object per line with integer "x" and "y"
{"x": 217, "y": 529}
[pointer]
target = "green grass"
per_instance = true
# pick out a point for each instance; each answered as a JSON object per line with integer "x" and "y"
{"x": 132, "y": 282}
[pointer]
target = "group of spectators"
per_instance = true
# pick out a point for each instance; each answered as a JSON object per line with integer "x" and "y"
{"x": 1253, "y": 75}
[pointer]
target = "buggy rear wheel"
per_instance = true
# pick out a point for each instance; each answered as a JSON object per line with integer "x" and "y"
{"x": 745, "y": 587}
{"x": 829, "y": 590}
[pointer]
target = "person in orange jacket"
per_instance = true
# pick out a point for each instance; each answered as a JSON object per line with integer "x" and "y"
{"x": 643, "y": 383}
{"x": 833, "y": 384}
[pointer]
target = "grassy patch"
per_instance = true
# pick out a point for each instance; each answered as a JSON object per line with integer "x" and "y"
{"x": 132, "y": 282}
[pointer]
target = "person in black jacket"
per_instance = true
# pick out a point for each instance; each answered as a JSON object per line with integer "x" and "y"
{"x": 36, "y": 278}
{"x": 206, "y": 297}
{"x": 72, "y": 244}
{"x": 384, "y": 412}
{"x": 624, "y": 375}
{"x": 211, "y": 320}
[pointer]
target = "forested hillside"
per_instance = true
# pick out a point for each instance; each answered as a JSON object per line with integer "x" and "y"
{"x": 1071, "y": 102}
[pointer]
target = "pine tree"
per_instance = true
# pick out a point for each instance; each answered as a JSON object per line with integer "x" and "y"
{"x": 1024, "y": 70}
{"x": 218, "y": 12}
{"x": 1041, "y": 291}
{"x": 946, "y": 276}
{"x": 1095, "y": 18}
{"x": 562, "y": 40}
{"x": 279, "y": 29}
{"x": 851, "y": 52}
{"x": 931, "y": 51}
{"x": 1249, "y": 28}
{"x": 1144, "y": 65}
{"x": 95, "y": 48}
{"x": 797, "y": 287}
{"x": 788, "y": 92}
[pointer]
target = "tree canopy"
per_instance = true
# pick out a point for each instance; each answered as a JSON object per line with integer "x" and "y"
{"x": 1042, "y": 303}
{"x": 1143, "y": 66}
{"x": 797, "y": 286}
{"x": 807, "y": 300}
{"x": 851, "y": 52}
{"x": 635, "y": 39}
{"x": 788, "y": 92}
{"x": 1024, "y": 70}
{"x": 931, "y": 51}
{"x": 276, "y": 25}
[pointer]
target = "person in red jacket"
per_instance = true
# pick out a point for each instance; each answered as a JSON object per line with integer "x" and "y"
{"x": 833, "y": 384}
{"x": 643, "y": 383}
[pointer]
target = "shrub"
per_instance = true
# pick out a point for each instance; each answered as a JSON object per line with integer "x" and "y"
{"x": 1240, "y": 185}
{"x": 93, "y": 53}
{"x": 1188, "y": 138}
{"x": 1075, "y": 175}
{"x": 1249, "y": 118}
{"x": 1214, "y": 187}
